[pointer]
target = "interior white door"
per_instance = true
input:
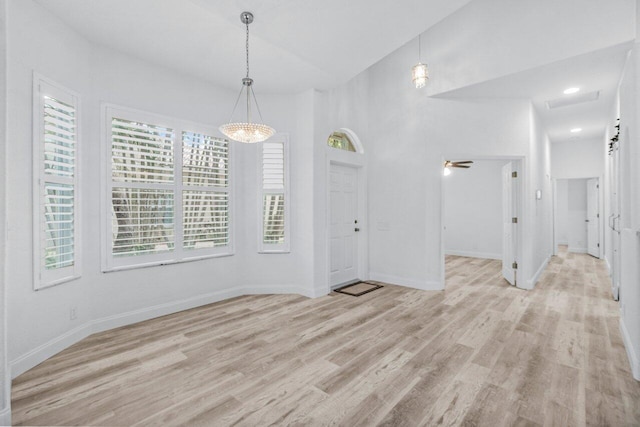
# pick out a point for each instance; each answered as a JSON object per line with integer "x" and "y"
{"x": 343, "y": 224}
{"x": 593, "y": 218}
{"x": 614, "y": 221}
{"x": 509, "y": 234}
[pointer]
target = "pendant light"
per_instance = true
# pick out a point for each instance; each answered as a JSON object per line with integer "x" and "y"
{"x": 419, "y": 72}
{"x": 248, "y": 131}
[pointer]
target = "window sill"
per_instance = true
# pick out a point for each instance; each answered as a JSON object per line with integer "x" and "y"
{"x": 166, "y": 262}
{"x": 56, "y": 282}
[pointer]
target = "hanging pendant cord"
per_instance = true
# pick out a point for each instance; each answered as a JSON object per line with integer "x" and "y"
{"x": 419, "y": 50}
{"x": 247, "y": 48}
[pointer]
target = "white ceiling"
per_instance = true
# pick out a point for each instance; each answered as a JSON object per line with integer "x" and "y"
{"x": 302, "y": 44}
{"x": 295, "y": 44}
{"x": 600, "y": 70}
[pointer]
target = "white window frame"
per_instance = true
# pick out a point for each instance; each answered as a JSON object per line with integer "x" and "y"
{"x": 44, "y": 278}
{"x": 178, "y": 254}
{"x": 275, "y": 248}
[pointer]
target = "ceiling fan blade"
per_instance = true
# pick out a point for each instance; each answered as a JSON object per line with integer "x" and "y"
{"x": 465, "y": 161}
{"x": 460, "y": 166}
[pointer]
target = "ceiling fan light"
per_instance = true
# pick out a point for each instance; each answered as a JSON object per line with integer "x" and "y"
{"x": 447, "y": 171}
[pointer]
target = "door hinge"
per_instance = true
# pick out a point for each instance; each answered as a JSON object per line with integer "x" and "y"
{"x": 514, "y": 220}
{"x": 514, "y": 174}
{"x": 597, "y": 215}
{"x": 598, "y": 244}
{"x": 597, "y": 185}
{"x": 514, "y": 265}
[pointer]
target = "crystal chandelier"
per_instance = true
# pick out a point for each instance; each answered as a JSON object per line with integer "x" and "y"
{"x": 419, "y": 72}
{"x": 247, "y": 132}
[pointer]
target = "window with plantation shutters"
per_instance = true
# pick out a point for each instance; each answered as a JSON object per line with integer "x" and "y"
{"x": 56, "y": 229}
{"x": 274, "y": 196}
{"x": 169, "y": 191}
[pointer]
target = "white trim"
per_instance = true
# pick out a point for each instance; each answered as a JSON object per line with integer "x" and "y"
{"x": 140, "y": 315}
{"x": 563, "y": 243}
{"x": 283, "y": 248}
{"x": 41, "y": 353}
{"x": 470, "y": 254}
{"x": 408, "y": 282}
{"x": 5, "y": 417}
{"x": 282, "y": 289}
{"x": 532, "y": 282}
{"x": 48, "y": 349}
{"x": 631, "y": 354}
{"x": 608, "y": 264}
{"x": 178, "y": 254}
{"x": 43, "y": 278}
{"x": 355, "y": 140}
{"x": 54, "y": 346}
{"x": 577, "y": 250}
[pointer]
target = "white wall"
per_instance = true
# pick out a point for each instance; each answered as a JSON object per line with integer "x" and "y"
{"x": 629, "y": 193}
{"x": 407, "y": 135}
{"x": 40, "y": 321}
{"x": 473, "y": 210}
{"x": 538, "y": 227}
{"x": 577, "y": 159}
{"x": 5, "y": 381}
{"x": 561, "y": 227}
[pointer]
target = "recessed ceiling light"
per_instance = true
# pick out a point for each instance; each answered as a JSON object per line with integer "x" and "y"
{"x": 575, "y": 130}
{"x": 571, "y": 90}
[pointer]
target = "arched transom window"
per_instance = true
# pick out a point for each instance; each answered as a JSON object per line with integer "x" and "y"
{"x": 341, "y": 141}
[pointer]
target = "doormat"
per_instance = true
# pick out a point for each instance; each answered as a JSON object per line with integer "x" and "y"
{"x": 359, "y": 288}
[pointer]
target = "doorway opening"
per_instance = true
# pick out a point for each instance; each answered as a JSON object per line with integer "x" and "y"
{"x": 577, "y": 220}
{"x": 481, "y": 218}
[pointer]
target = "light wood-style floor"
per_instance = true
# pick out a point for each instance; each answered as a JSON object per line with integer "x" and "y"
{"x": 479, "y": 353}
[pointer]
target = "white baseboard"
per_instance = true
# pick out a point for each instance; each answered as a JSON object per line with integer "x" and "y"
{"x": 408, "y": 282}
{"x": 56, "y": 345}
{"x": 135, "y": 316}
{"x": 531, "y": 283}
{"x": 270, "y": 289}
{"x": 5, "y": 417}
{"x": 608, "y": 264}
{"x": 44, "y": 351}
{"x": 577, "y": 250}
{"x": 631, "y": 353}
{"x": 484, "y": 255}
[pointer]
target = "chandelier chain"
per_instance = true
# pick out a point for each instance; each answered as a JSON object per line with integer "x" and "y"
{"x": 247, "y": 48}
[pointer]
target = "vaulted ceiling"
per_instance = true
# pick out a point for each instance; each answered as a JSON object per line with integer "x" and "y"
{"x": 295, "y": 44}
{"x": 302, "y": 44}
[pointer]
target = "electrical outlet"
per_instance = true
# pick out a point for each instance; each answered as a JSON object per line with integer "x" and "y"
{"x": 73, "y": 313}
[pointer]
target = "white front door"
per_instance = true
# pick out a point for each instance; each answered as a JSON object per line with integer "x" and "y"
{"x": 593, "y": 218}
{"x": 343, "y": 227}
{"x": 509, "y": 226}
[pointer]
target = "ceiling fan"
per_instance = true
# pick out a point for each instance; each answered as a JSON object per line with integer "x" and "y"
{"x": 448, "y": 164}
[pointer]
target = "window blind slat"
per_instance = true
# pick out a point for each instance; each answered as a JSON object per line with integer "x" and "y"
{"x": 141, "y": 152}
{"x": 205, "y": 219}
{"x": 205, "y": 160}
{"x": 143, "y": 221}
{"x": 58, "y": 225}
